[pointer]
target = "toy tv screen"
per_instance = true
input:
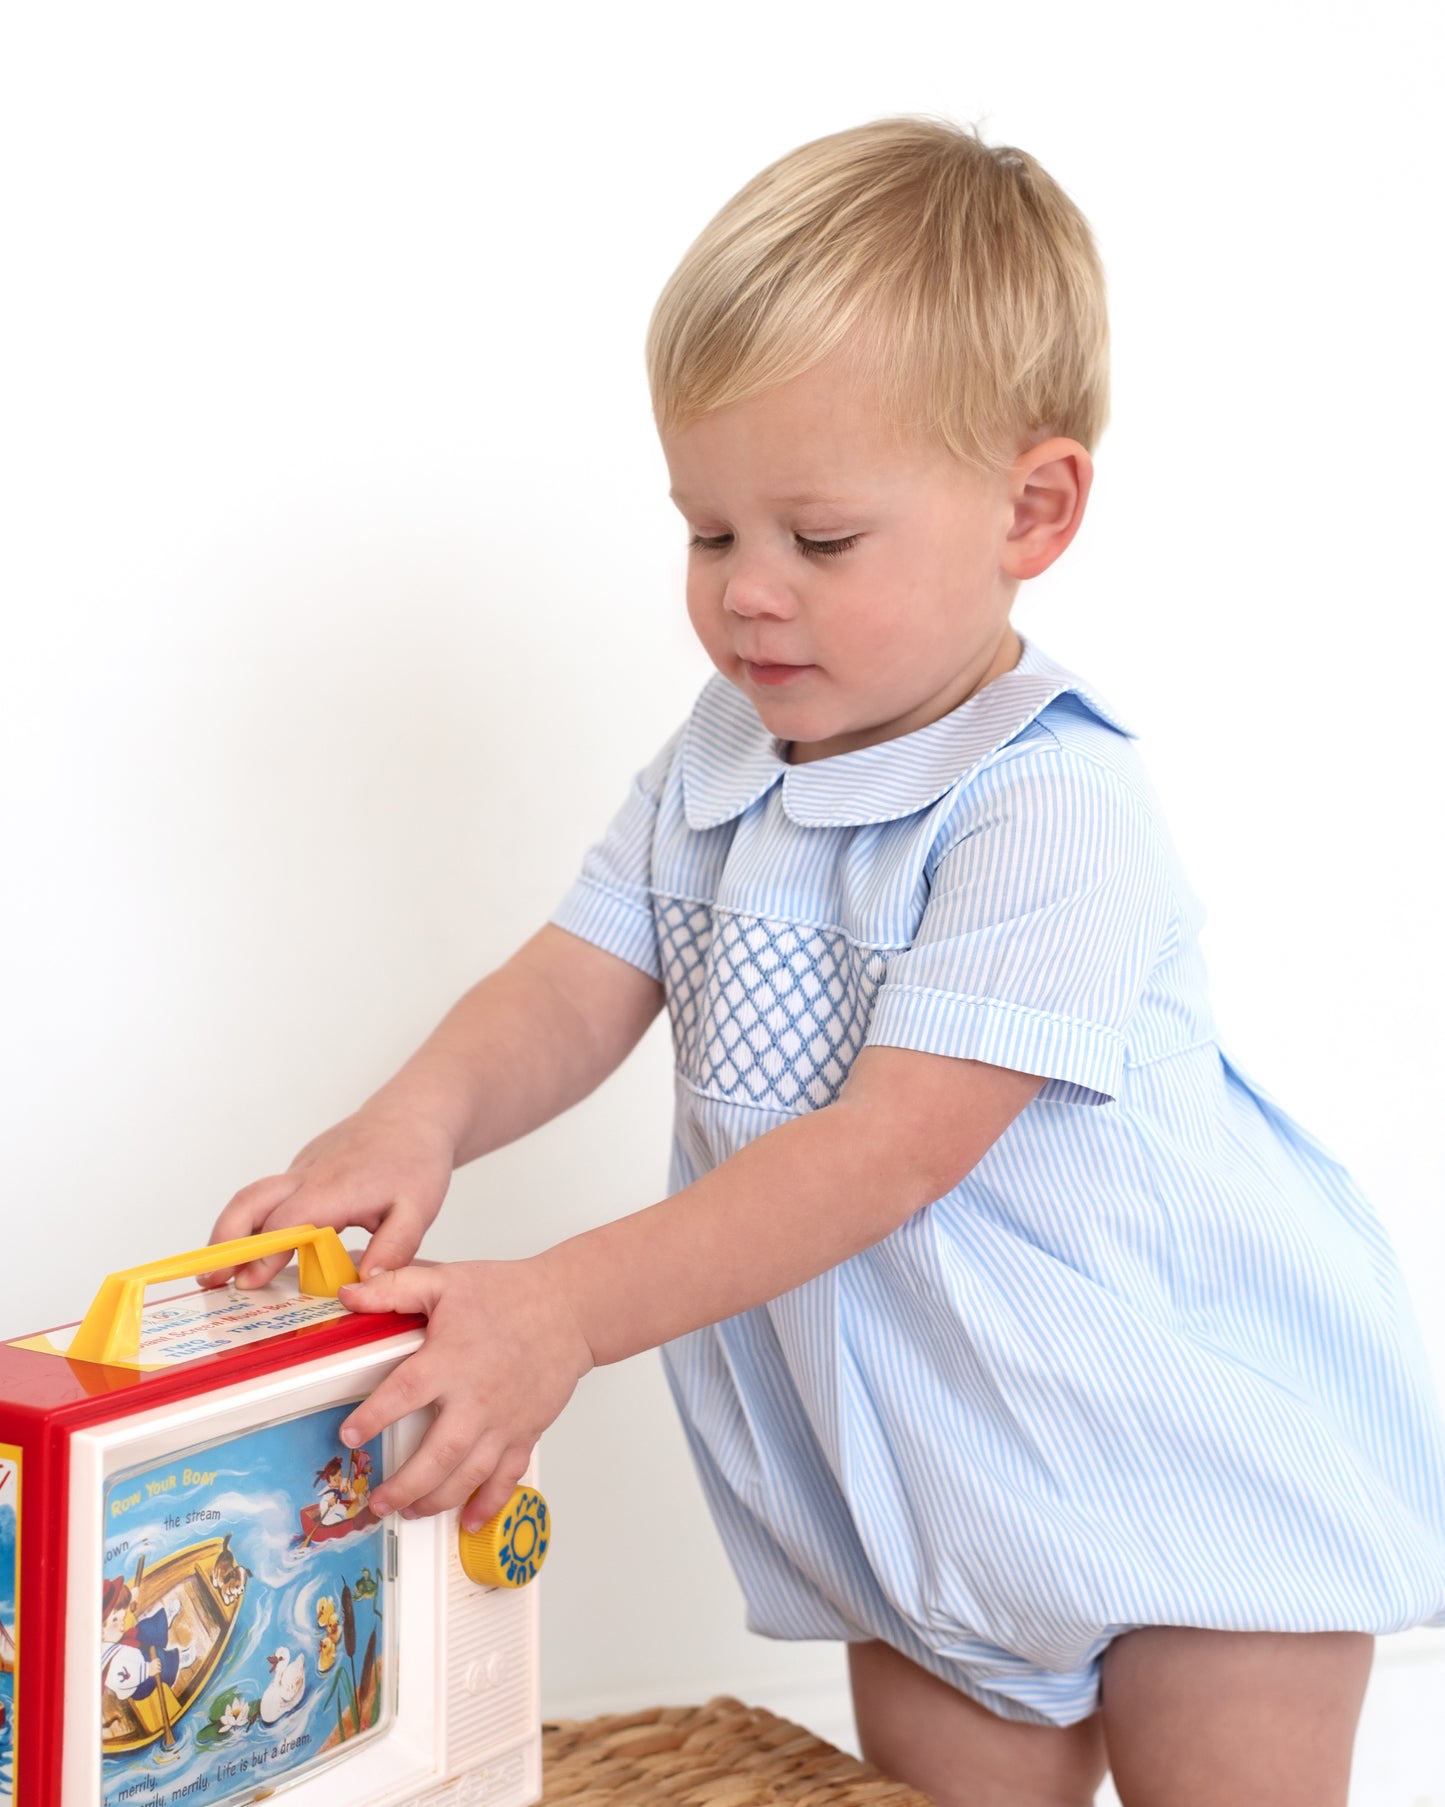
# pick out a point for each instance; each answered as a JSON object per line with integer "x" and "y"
{"x": 9, "y": 1645}
{"x": 243, "y": 1611}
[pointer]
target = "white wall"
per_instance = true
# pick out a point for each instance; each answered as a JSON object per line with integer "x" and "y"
{"x": 341, "y": 597}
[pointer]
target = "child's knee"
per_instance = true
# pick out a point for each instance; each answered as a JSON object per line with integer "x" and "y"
{"x": 1252, "y": 1715}
{"x": 918, "y": 1729}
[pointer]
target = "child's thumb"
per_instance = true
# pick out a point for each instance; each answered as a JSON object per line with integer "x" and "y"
{"x": 410, "y": 1289}
{"x": 395, "y": 1243}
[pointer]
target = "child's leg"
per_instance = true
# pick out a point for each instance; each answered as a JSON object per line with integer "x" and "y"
{"x": 918, "y": 1730}
{"x": 1255, "y": 1719}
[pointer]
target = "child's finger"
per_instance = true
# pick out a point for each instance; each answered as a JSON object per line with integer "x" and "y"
{"x": 456, "y": 1445}
{"x": 261, "y": 1273}
{"x": 408, "y": 1289}
{"x": 479, "y": 1484}
{"x": 247, "y": 1213}
{"x": 493, "y": 1494}
{"x": 479, "y": 1469}
{"x": 412, "y": 1384}
{"x": 294, "y": 1210}
{"x": 397, "y": 1240}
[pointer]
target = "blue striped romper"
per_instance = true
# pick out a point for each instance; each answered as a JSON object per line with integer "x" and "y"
{"x": 1152, "y": 1362}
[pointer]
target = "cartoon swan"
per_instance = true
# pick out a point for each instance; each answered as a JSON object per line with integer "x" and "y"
{"x": 286, "y": 1686}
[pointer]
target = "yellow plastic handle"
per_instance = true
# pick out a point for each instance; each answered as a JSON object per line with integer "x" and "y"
{"x": 110, "y": 1330}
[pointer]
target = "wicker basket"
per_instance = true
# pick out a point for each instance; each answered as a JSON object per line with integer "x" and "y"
{"x": 720, "y": 1755}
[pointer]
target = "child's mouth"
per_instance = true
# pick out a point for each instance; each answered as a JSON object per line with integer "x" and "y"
{"x": 772, "y": 674}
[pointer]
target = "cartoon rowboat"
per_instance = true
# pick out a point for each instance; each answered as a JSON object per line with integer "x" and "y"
{"x": 342, "y": 1507}
{"x": 208, "y": 1584}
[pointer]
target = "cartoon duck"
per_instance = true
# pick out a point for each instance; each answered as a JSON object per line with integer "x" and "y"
{"x": 286, "y": 1687}
{"x": 330, "y": 1624}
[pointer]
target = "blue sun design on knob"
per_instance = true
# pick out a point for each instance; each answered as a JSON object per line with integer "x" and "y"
{"x": 525, "y": 1538}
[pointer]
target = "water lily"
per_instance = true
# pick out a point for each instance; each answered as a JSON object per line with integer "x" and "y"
{"x": 237, "y": 1715}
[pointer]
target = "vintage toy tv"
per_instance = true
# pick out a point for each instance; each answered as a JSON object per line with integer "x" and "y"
{"x": 197, "y": 1603}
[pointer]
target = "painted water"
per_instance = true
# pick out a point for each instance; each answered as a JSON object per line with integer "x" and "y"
{"x": 266, "y": 1609}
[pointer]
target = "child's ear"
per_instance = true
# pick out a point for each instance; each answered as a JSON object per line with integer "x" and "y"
{"x": 1049, "y": 485}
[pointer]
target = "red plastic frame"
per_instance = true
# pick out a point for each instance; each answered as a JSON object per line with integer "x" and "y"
{"x": 44, "y": 1399}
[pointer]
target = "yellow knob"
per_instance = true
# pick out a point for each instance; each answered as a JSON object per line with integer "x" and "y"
{"x": 510, "y": 1549}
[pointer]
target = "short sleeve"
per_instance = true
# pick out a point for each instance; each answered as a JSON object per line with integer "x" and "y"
{"x": 1049, "y": 904}
{"x": 610, "y": 904}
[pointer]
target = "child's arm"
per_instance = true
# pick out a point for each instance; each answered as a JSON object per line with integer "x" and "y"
{"x": 523, "y": 1045}
{"x": 508, "y": 1341}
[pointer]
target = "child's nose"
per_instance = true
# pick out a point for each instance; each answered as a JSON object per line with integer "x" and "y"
{"x": 752, "y": 590}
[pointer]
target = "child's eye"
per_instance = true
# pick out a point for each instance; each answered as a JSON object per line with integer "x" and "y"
{"x": 719, "y": 542}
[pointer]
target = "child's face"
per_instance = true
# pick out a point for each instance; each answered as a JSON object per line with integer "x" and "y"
{"x": 851, "y": 583}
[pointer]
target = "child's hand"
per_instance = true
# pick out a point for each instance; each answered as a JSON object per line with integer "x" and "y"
{"x": 502, "y": 1356}
{"x": 380, "y": 1171}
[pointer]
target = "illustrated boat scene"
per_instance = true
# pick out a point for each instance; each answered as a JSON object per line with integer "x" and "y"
{"x": 251, "y": 1654}
{"x": 193, "y": 1597}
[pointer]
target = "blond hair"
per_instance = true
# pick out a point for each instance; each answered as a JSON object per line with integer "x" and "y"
{"x": 965, "y": 274}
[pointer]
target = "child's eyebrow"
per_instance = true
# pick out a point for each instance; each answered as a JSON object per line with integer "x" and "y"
{"x": 803, "y": 499}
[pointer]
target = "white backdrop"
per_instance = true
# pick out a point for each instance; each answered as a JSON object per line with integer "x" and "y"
{"x": 341, "y": 596}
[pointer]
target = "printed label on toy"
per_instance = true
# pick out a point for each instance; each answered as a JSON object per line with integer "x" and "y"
{"x": 199, "y": 1324}
{"x": 9, "y": 1615}
{"x": 243, "y": 1614}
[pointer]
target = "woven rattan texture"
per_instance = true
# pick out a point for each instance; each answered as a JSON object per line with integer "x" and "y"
{"x": 720, "y": 1755}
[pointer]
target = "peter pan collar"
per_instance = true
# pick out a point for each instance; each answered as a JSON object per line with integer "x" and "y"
{"x": 729, "y": 759}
